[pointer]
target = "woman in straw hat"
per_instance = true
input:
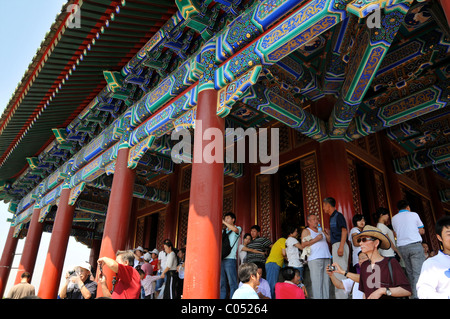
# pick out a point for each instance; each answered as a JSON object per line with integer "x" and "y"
{"x": 380, "y": 277}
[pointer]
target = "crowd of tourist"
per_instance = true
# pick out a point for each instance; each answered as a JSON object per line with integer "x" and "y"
{"x": 385, "y": 260}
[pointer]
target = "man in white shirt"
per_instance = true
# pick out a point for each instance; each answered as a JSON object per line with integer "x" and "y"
{"x": 249, "y": 276}
{"x": 409, "y": 230}
{"x": 434, "y": 280}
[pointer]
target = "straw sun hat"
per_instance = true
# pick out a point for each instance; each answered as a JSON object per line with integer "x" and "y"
{"x": 374, "y": 232}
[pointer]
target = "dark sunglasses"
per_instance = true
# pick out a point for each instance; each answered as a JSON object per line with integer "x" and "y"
{"x": 364, "y": 239}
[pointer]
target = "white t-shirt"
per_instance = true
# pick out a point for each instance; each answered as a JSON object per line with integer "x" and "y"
{"x": 242, "y": 254}
{"x": 385, "y": 230}
{"x": 245, "y": 292}
{"x": 406, "y": 225}
{"x": 293, "y": 253}
{"x": 351, "y": 286}
{"x": 162, "y": 257}
{"x": 434, "y": 280}
{"x": 171, "y": 261}
{"x": 355, "y": 249}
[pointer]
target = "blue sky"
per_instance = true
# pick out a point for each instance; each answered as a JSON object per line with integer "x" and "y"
{"x": 23, "y": 25}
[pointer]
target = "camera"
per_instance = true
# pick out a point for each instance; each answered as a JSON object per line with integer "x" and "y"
{"x": 72, "y": 273}
{"x": 332, "y": 268}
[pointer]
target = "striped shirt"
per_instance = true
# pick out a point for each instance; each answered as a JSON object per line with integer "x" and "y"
{"x": 260, "y": 244}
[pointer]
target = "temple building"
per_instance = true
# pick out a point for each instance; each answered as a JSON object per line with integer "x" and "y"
{"x": 350, "y": 95}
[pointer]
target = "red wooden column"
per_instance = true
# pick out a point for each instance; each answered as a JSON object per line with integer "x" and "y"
{"x": 31, "y": 247}
{"x": 118, "y": 216}
{"x": 334, "y": 177}
{"x": 56, "y": 254}
{"x": 7, "y": 259}
{"x": 203, "y": 246}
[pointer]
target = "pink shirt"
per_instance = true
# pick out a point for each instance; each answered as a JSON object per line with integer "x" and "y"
{"x": 287, "y": 290}
{"x": 147, "y": 268}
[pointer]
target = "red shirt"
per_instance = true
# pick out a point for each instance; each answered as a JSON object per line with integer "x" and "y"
{"x": 285, "y": 290}
{"x": 154, "y": 263}
{"x": 128, "y": 284}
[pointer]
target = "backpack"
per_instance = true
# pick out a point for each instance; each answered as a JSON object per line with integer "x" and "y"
{"x": 226, "y": 246}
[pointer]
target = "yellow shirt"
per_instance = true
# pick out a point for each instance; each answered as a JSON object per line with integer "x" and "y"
{"x": 276, "y": 253}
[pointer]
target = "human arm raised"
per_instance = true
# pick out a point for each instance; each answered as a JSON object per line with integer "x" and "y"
{"x": 108, "y": 262}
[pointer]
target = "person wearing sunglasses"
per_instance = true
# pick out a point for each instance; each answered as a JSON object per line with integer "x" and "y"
{"x": 380, "y": 277}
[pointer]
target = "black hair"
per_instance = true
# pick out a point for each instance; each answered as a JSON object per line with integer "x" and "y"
{"x": 379, "y": 212}
{"x": 168, "y": 243}
{"x": 260, "y": 265}
{"x": 233, "y": 216}
{"x": 246, "y": 234}
{"x": 357, "y": 218}
{"x": 288, "y": 273}
{"x": 441, "y": 223}
{"x": 402, "y": 204}
{"x": 258, "y": 229}
{"x": 291, "y": 228}
{"x": 25, "y": 275}
{"x": 330, "y": 200}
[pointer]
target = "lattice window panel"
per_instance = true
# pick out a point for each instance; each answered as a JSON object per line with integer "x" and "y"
{"x": 140, "y": 231}
{"x": 369, "y": 144}
{"x": 285, "y": 138}
{"x": 161, "y": 227}
{"x": 310, "y": 186}
{"x": 183, "y": 217}
{"x": 264, "y": 205}
{"x": 185, "y": 179}
{"x": 228, "y": 202}
{"x": 373, "y": 146}
{"x": 380, "y": 189}
{"x": 164, "y": 184}
{"x": 355, "y": 187}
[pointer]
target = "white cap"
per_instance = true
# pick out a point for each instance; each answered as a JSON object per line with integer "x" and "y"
{"x": 85, "y": 265}
{"x": 147, "y": 256}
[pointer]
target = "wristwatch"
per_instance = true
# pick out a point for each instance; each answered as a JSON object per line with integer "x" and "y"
{"x": 388, "y": 292}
